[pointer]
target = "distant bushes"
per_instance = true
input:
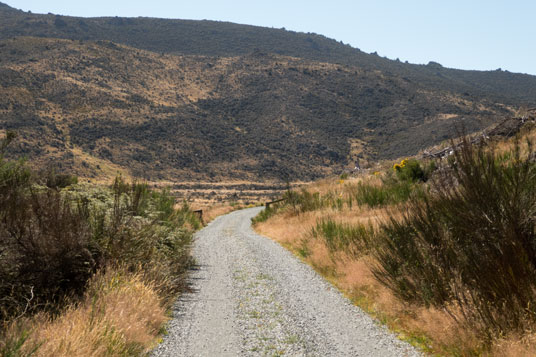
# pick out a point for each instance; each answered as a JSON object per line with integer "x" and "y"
{"x": 469, "y": 245}
{"x": 59, "y": 181}
{"x": 394, "y": 188}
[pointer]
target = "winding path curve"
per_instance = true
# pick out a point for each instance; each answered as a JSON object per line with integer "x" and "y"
{"x": 251, "y": 297}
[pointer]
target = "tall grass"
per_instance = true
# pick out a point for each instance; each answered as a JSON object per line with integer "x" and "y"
{"x": 298, "y": 202}
{"x": 264, "y": 215}
{"x": 305, "y": 201}
{"x": 388, "y": 193}
{"x": 353, "y": 240}
{"x": 469, "y": 245}
{"x": 120, "y": 314}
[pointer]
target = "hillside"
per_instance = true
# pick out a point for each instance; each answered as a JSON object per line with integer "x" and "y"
{"x": 212, "y": 38}
{"x": 98, "y": 107}
{"x": 203, "y": 100}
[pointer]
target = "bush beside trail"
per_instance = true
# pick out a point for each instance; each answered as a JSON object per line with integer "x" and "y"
{"x": 469, "y": 245}
{"x": 450, "y": 241}
{"x": 59, "y": 240}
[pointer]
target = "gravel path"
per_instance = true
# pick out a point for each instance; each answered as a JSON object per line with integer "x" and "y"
{"x": 251, "y": 297}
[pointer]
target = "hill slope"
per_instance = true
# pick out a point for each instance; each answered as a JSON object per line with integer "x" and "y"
{"x": 205, "y": 100}
{"x": 100, "y": 106}
{"x": 211, "y": 38}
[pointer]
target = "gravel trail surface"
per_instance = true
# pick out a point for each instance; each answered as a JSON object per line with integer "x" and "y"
{"x": 251, "y": 297}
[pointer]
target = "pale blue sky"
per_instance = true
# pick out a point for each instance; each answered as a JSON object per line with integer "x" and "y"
{"x": 469, "y": 34}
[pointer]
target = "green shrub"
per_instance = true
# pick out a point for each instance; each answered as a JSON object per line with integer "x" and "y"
{"x": 47, "y": 249}
{"x": 470, "y": 242}
{"x": 58, "y": 181}
{"x": 44, "y": 242}
{"x": 138, "y": 228}
{"x": 165, "y": 205}
{"x": 410, "y": 170}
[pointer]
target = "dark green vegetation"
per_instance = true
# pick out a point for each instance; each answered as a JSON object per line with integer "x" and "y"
{"x": 215, "y": 100}
{"x": 470, "y": 244}
{"x": 53, "y": 239}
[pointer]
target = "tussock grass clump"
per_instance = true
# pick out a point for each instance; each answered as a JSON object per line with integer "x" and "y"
{"x": 396, "y": 187}
{"x": 388, "y": 193}
{"x": 297, "y": 202}
{"x": 305, "y": 201}
{"x": 469, "y": 245}
{"x": 390, "y": 190}
{"x": 354, "y": 240}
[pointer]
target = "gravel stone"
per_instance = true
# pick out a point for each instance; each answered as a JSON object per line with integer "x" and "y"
{"x": 251, "y": 297}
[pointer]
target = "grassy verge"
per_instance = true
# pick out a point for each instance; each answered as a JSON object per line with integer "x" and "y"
{"x": 440, "y": 252}
{"x": 86, "y": 270}
{"x": 121, "y": 314}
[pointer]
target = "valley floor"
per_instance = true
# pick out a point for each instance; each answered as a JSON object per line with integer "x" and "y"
{"x": 250, "y": 296}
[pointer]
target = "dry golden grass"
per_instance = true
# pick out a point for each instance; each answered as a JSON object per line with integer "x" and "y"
{"x": 516, "y": 346}
{"x": 527, "y": 134}
{"x": 212, "y": 212}
{"x": 122, "y": 314}
{"x": 431, "y": 329}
